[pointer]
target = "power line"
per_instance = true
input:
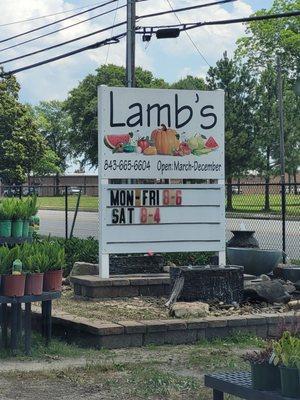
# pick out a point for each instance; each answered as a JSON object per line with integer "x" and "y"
{"x": 193, "y": 25}
{"x": 116, "y": 38}
{"x": 53, "y": 15}
{"x": 188, "y": 35}
{"x": 112, "y": 31}
{"x": 59, "y": 30}
{"x": 112, "y": 40}
{"x": 96, "y": 32}
{"x": 56, "y": 22}
{"x": 63, "y": 43}
{"x": 46, "y": 16}
{"x": 185, "y": 8}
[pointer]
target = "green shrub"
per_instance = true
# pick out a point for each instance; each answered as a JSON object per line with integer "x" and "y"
{"x": 192, "y": 258}
{"x": 86, "y": 250}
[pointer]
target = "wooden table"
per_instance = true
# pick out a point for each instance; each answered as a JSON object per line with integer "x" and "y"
{"x": 16, "y": 319}
{"x": 238, "y": 384}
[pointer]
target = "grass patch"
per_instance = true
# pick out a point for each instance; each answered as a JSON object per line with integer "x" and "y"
{"x": 150, "y": 381}
{"x": 254, "y": 203}
{"x": 223, "y": 354}
{"x": 250, "y": 203}
{"x": 55, "y": 350}
{"x": 164, "y": 373}
{"x": 87, "y": 203}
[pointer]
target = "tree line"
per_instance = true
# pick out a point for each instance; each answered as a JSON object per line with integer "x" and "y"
{"x": 40, "y": 140}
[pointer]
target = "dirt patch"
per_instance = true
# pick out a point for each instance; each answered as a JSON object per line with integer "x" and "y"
{"x": 147, "y": 308}
{"x": 154, "y": 373}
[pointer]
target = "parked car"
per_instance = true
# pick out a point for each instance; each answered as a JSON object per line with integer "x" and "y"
{"x": 73, "y": 190}
{"x": 30, "y": 191}
{"x": 18, "y": 191}
{"x": 13, "y": 191}
{"x": 291, "y": 189}
{"x": 236, "y": 190}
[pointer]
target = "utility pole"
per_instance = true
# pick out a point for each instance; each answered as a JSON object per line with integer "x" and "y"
{"x": 130, "y": 43}
{"x": 282, "y": 152}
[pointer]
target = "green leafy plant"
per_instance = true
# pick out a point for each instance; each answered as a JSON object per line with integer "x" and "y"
{"x": 31, "y": 203}
{"x": 4, "y": 260}
{"x": 19, "y": 210}
{"x": 287, "y": 351}
{"x": 7, "y": 209}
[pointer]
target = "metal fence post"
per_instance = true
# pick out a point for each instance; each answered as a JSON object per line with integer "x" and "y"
{"x": 283, "y": 216}
{"x": 66, "y": 212}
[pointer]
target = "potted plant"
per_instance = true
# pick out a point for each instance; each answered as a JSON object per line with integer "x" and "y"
{"x": 287, "y": 356}
{"x": 18, "y": 218}
{"x": 54, "y": 258}
{"x": 4, "y": 250}
{"x": 30, "y": 211}
{"x": 14, "y": 280}
{"x": 6, "y": 213}
{"x": 265, "y": 375}
{"x": 32, "y": 265}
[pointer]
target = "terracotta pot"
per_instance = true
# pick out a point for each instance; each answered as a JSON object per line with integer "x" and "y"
{"x": 34, "y": 284}
{"x": 13, "y": 285}
{"x": 53, "y": 281}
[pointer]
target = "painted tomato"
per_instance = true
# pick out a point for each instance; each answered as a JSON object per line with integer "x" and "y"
{"x": 143, "y": 143}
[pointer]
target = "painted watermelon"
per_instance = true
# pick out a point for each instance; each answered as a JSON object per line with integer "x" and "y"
{"x": 112, "y": 141}
{"x": 211, "y": 143}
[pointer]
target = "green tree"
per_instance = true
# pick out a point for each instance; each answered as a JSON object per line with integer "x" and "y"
{"x": 266, "y": 39}
{"x": 48, "y": 164}
{"x": 266, "y": 128}
{"x": 54, "y": 123}
{"x": 82, "y": 106}
{"x": 21, "y": 144}
{"x": 189, "y": 83}
{"x": 259, "y": 48}
{"x": 236, "y": 81}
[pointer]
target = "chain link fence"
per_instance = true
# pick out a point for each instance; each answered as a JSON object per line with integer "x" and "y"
{"x": 272, "y": 211}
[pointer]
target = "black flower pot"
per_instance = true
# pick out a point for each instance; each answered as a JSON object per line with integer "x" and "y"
{"x": 265, "y": 377}
{"x": 290, "y": 383}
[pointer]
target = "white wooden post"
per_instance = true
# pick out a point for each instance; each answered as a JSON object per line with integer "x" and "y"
{"x": 222, "y": 254}
{"x": 103, "y": 257}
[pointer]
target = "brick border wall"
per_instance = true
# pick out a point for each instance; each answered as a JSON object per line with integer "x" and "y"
{"x": 159, "y": 332}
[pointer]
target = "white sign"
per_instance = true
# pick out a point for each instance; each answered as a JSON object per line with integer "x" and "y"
{"x": 162, "y": 218}
{"x": 157, "y": 133}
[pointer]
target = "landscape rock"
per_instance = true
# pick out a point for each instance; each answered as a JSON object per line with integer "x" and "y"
{"x": 294, "y": 305}
{"x": 269, "y": 291}
{"x": 297, "y": 285}
{"x": 166, "y": 268}
{"x": 84, "y": 268}
{"x": 265, "y": 278}
{"x": 195, "y": 309}
{"x": 289, "y": 287}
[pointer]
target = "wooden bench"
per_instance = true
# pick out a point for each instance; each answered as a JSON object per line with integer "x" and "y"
{"x": 16, "y": 319}
{"x": 238, "y": 384}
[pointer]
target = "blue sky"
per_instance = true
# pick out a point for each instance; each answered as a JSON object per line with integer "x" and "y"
{"x": 169, "y": 59}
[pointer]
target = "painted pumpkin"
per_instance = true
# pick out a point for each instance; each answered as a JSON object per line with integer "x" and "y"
{"x": 166, "y": 140}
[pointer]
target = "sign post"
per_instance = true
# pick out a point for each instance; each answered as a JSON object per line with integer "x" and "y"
{"x": 156, "y": 134}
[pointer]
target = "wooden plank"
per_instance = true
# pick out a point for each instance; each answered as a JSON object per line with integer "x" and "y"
{"x": 14, "y": 328}
{"x": 4, "y": 324}
{"x": 30, "y": 298}
{"x": 27, "y": 329}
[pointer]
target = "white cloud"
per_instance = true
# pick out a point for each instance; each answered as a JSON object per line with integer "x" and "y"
{"x": 171, "y": 58}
